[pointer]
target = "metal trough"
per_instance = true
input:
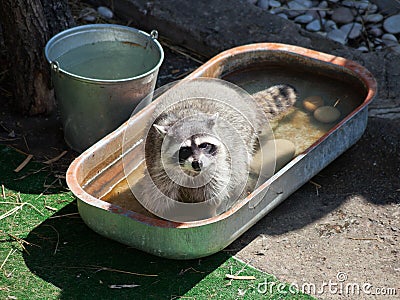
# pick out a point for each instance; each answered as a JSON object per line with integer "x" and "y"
{"x": 105, "y": 202}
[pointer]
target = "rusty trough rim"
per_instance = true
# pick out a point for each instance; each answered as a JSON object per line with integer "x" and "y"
{"x": 358, "y": 71}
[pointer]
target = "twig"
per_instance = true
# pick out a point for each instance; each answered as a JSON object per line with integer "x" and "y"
{"x": 364, "y": 239}
{"x": 31, "y": 173}
{"x": 183, "y": 271}
{"x": 3, "y": 192}
{"x": 121, "y": 271}
{"x": 24, "y": 163}
{"x": 120, "y": 286}
{"x": 236, "y": 277}
{"x": 50, "y": 161}
{"x": 21, "y": 242}
{"x": 12, "y": 251}
{"x": 26, "y": 143}
{"x": 15, "y": 209}
{"x": 50, "y": 208}
{"x": 58, "y": 238}
{"x": 62, "y": 216}
{"x": 337, "y": 102}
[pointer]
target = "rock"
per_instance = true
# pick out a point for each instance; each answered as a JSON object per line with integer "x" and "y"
{"x": 372, "y": 9}
{"x": 296, "y": 9}
{"x": 376, "y": 32}
{"x": 326, "y": 114}
{"x": 274, "y": 3}
{"x": 283, "y": 16}
{"x": 312, "y": 103}
{"x": 323, "y": 4}
{"x": 304, "y": 19}
{"x": 342, "y": 15}
{"x": 389, "y": 37}
{"x": 388, "y": 7}
{"x": 264, "y": 4}
{"x": 374, "y": 18}
{"x": 105, "y": 12}
{"x": 352, "y": 30}
{"x": 337, "y": 35}
{"x": 330, "y": 25}
{"x": 314, "y": 26}
{"x": 390, "y": 40}
{"x": 88, "y": 14}
{"x": 305, "y": 3}
{"x": 363, "y": 49}
{"x": 284, "y": 151}
{"x": 392, "y": 24}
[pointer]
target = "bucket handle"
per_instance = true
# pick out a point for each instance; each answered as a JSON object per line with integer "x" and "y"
{"x": 55, "y": 66}
{"x": 154, "y": 34}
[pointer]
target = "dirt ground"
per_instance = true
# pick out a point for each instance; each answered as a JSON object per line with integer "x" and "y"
{"x": 342, "y": 228}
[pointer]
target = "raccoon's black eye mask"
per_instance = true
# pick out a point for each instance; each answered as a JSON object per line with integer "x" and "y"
{"x": 210, "y": 148}
{"x": 184, "y": 153}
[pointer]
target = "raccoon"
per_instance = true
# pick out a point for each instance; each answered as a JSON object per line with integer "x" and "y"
{"x": 198, "y": 150}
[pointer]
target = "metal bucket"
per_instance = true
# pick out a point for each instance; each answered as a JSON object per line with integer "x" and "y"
{"x": 100, "y": 73}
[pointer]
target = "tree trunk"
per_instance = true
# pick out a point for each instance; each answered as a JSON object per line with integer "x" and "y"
{"x": 27, "y": 26}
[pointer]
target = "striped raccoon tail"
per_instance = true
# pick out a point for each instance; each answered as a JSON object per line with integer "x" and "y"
{"x": 276, "y": 100}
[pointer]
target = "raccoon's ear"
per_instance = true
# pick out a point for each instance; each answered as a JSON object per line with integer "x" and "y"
{"x": 161, "y": 129}
{"x": 213, "y": 119}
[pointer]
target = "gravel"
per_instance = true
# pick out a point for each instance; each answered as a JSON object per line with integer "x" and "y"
{"x": 363, "y": 24}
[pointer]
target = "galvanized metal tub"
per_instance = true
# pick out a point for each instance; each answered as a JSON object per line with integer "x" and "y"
{"x": 92, "y": 104}
{"x": 99, "y": 170}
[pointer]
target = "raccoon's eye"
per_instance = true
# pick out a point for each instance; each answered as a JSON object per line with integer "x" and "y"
{"x": 185, "y": 153}
{"x": 210, "y": 148}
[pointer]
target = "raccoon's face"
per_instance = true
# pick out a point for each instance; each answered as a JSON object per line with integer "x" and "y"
{"x": 190, "y": 145}
{"x": 198, "y": 153}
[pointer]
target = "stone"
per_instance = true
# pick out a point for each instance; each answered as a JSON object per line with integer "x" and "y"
{"x": 274, "y": 153}
{"x": 88, "y": 14}
{"x": 363, "y": 49}
{"x": 311, "y": 103}
{"x": 264, "y": 4}
{"x": 376, "y": 32}
{"x": 390, "y": 40}
{"x": 374, "y": 18}
{"x": 314, "y": 26}
{"x": 304, "y": 19}
{"x": 352, "y": 30}
{"x": 337, "y": 35}
{"x": 388, "y": 7}
{"x": 323, "y": 4}
{"x": 305, "y": 3}
{"x": 105, "y": 12}
{"x": 274, "y": 4}
{"x": 295, "y": 9}
{"x": 342, "y": 15}
{"x": 392, "y": 24}
{"x": 372, "y": 9}
{"x": 283, "y": 16}
{"x": 326, "y": 114}
{"x": 330, "y": 25}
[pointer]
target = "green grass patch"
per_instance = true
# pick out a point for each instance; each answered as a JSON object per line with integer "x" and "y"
{"x": 47, "y": 252}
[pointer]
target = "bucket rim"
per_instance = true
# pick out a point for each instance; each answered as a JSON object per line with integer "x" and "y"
{"x": 82, "y": 28}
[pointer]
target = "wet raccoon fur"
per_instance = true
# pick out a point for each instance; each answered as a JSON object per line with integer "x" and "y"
{"x": 199, "y": 149}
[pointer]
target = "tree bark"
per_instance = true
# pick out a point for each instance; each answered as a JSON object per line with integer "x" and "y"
{"x": 27, "y": 26}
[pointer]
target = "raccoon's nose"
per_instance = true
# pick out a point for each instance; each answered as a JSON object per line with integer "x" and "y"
{"x": 197, "y": 165}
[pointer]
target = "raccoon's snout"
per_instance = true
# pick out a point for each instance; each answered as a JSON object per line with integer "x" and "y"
{"x": 197, "y": 165}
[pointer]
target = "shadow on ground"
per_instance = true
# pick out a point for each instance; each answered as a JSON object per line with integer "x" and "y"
{"x": 85, "y": 265}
